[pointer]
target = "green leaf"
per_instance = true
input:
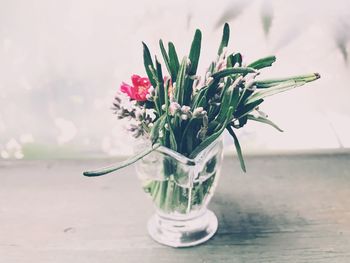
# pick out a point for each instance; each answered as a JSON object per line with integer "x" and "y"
{"x": 245, "y": 94}
{"x": 238, "y": 148}
{"x": 120, "y": 165}
{"x": 242, "y": 121}
{"x": 263, "y": 62}
{"x": 157, "y": 126}
{"x": 195, "y": 52}
{"x": 173, "y": 59}
{"x": 230, "y": 71}
{"x": 198, "y": 97}
{"x": 263, "y": 84}
{"x": 283, "y": 86}
{"x": 187, "y": 138}
{"x": 212, "y": 137}
{"x": 172, "y": 139}
{"x": 230, "y": 99}
{"x": 192, "y": 68}
{"x": 166, "y": 60}
{"x": 180, "y": 82}
{"x": 225, "y": 38}
{"x": 203, "y": 102}
{"x": 160, "y": 84}
{"x": 235, "y": 98}
{"x": 264, "y": 120}
{"x": 233, "y": 59}
{"x": 247, "y": 108}
{"x": 148, "y": 63}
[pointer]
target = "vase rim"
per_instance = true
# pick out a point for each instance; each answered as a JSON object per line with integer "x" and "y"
{"x": 182, "y": 158}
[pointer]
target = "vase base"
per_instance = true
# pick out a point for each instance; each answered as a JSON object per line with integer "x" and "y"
{"x": 184, "y": 232}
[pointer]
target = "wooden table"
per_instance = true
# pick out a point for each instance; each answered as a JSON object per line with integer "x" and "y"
{"x": 293, "y": 208}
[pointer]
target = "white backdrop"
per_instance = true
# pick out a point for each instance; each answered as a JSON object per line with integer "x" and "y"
{"x": 62, "y": 61}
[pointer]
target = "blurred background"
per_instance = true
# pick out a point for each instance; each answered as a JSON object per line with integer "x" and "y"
{"x": 61, "y": 63}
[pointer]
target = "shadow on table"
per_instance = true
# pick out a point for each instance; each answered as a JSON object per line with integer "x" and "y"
{"x": 242, "y": 223}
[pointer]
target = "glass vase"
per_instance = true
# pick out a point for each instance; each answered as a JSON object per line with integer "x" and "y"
{"x": 181, "y": 189}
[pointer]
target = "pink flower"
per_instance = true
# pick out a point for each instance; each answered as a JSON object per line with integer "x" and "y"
{"x": 139, "y": 90}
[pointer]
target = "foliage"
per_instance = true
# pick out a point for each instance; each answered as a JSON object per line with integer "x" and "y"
{"x": 191, "y": 113}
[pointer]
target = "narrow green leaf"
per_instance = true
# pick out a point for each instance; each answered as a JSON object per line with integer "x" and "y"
{"x": 233, "y": 59}
{"x": 283, "y": 86}
{"x": 148, "y": 63}
{"x": 231, "y": 71}
{"x": 225, "y": 38}
{"x": 238, "y": 147}
{"x": 180, "y": 82}
{"x": 235, "y": 98}
{"x": 203, "y": 102}
{"x": 264, "y": 120}
{"x": 186, "y": 137}
{"x": 157, "y": 126}
{"x": 172, "y": 139}
{"x": 247, "y": 108}
{"x": 263, "y": 84}
{"x": 195, "y": 52}
{"x": 243, "y": 121}
{"x": 160, "y": 84}
{"x": 120, "y": 165}
{"x": 173, "y": 59}
{"x": 198, "y": 97}
{"x": 212, "y": 137}
{"x": 225, "y": 103}
{"x": 166, "y": 59}
{"x": 263, "y": 62}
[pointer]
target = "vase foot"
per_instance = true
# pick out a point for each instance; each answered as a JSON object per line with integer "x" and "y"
{"x": 183, "y": 232}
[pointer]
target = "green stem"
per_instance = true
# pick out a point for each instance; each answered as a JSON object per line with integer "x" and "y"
{"x": 120, "y": 165}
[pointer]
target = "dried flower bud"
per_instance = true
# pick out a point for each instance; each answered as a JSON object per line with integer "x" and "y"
{"x": 205, "y": 120}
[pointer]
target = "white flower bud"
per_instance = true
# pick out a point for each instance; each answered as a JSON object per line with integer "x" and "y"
{"x": 236, "y": 65}
{"x": 250, "y": 85}
{"x": 185, "y": 109}
{"x": 188, "y": 62}
{"x": 198, "y": 112}
{"x": 207, "y": 75}
{"x": 209, "y": 81}
{"x": 174, "y": 108}
{"x": 149, "y": 97}
{"x": 184, "y": 117}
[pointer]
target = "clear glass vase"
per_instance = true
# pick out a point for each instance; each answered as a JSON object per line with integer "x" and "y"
{"x": 181, "y": 189}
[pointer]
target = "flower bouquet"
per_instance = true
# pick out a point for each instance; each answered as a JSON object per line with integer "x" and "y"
{"x": 179, "y": 119}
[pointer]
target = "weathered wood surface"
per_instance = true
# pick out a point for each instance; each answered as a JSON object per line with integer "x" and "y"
{"x": 285, "y": 209}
